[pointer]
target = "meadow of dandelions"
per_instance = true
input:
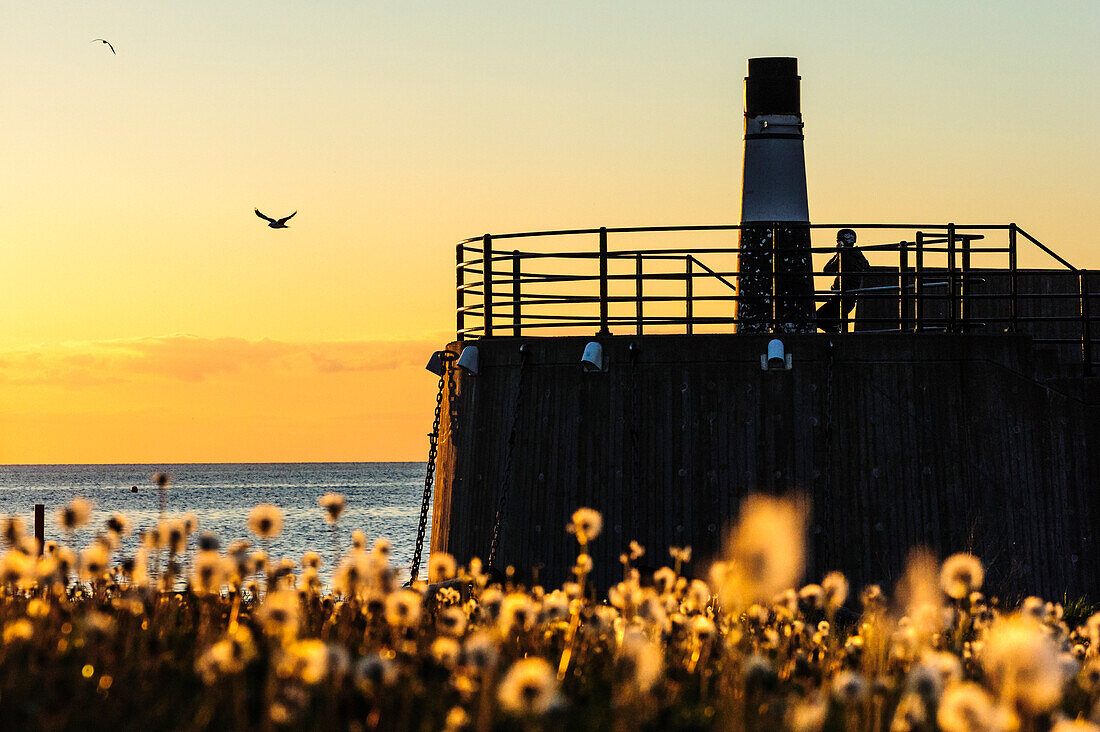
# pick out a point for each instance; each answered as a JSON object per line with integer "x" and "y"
{"x": 230, "y": 637}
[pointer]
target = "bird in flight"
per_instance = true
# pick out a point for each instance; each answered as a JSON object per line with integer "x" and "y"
{"x": 276, "y": 223}
{"x": 101, "y": 40}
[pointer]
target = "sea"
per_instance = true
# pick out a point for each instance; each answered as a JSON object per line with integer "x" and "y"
{"x": 383, "y": 500}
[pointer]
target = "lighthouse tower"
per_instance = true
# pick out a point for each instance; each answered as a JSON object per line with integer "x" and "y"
{"x": 774, "y": 267}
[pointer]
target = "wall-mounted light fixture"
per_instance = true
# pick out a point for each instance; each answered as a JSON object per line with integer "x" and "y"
{"x": 435, "y": 363}
{"x": 776, "y": 359}
{"x": 593, "y": 359}
{"x": 468, "y": 360}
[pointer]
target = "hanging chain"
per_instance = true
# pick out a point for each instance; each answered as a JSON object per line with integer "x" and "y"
{"x": 505, "y": 482}
{"x": 447, "y": 377}
{"x": 829, "y": 358}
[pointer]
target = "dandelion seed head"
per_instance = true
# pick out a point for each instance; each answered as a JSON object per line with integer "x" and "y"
{"x": 812, "y": 597}
{"x": 94, "y": 561}
{"x": 965, "y": 707}
{"x": 374, "y": 672}
{"x": 74, "y": 515}
{"x": 265, "y": 521}
{"x": 279, "y": 613}
{"x": 172, "y": 535}
{"x": 642, "y": 659}
{"x": 304, "y": 660}
{"x": 960, "y": 575}
{"x": 16, "y": 569}
{"x": 808, "y": 715}
{"x": 680, "y": 554}
{"x": 664, "y": 579}
{"x": 403, "y": 608}
{"x": 756, "y": 565}
{"x": 14, "y": 529}
{"x": 517, "y": 613}
{"x": 1092, "y": 626}
{"x": 207, "y": 572}
{"x": 835, "y": 587}
{"x": 441, "y": 567}
{"x": 445, "y": 651}
{"x": 586, "y": 524}
{"x": 311, "y": 560}
{"x": 480, "y": 651}
{"x": 529, "y": 688}
{"x": 1023, "y": 663}
{"x": 911, "y": 714}
{"x": 849, "y": 687}
{"x": 334, "y": 505}
{"x": 702, "y": 629}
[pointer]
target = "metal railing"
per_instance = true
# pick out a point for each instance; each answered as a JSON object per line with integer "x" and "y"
{"x": 939, "y": 277}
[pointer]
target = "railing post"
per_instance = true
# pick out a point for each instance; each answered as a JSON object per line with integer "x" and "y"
{"x": 964, "y": 285}
{"x": 842, "y": 304}
{"x": 1086, "y": 334}
{"x": 460, "y": 316}
{"x": 40, "y": 526}
{"x": 688, "y": 286}
{"x": 952, "y": 283}
{"x": 487, "y": 285}
{"x": 918, "y": 281}
{"x": 1013, "y": 280}
{"x": 903, "y": 283}
{"x": 515, "y": 293}
{"x": 638, "y": 292}
{"x": 604, "y": 330}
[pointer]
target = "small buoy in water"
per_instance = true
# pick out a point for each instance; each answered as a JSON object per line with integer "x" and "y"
{"x": 133, "y": 489}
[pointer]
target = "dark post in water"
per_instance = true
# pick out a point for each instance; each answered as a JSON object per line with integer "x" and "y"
{"x": 40, "y": 526}
{"x": 775, "y": 272}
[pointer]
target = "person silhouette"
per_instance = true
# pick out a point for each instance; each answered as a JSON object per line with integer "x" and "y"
{"x": 848, "y": 263}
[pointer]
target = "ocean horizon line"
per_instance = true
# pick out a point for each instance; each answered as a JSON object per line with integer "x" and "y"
{"x": 215, "y": 462}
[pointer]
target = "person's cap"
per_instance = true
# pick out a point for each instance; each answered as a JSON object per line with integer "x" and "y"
{"x": 846, "y": 236}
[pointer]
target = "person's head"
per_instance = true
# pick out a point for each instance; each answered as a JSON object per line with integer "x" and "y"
{"x": 846, "y": 237}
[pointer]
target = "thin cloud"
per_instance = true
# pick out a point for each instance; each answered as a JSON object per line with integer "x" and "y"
{"x": 194, "y": 359}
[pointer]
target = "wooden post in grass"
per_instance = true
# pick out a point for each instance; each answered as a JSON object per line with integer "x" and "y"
{"x": 40, "y": 526}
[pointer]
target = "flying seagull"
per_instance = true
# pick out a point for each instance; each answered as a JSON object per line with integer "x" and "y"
{"x": 101, "y": 40}
{"x": 276, "y": 223}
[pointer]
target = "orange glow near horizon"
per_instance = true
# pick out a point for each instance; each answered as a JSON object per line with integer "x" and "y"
{"x": 396, "y": 130}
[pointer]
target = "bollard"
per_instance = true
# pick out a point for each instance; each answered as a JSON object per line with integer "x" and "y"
{"x": 40, "y": 526}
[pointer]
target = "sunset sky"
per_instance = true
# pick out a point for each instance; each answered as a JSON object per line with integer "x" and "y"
{"x": 149, "y": 316}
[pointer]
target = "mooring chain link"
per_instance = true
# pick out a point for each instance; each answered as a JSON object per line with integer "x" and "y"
{"x": 505, "y": 482}
{"x": 452, "y": 394}
{"x": 445, "y": 378}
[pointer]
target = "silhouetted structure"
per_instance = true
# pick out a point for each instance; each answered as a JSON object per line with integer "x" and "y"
{"x": 955, "y": 407}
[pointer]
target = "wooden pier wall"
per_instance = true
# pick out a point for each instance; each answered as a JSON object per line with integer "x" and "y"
{"x": 948, "y": 441}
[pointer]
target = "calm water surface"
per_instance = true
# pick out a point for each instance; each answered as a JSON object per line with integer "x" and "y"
{"x": 383, "y": 499}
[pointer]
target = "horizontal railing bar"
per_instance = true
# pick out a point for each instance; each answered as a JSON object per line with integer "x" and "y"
{"x": 551, "y": 278}
{"x": 680, "y": 252}
{"x": 728, "y": 227}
